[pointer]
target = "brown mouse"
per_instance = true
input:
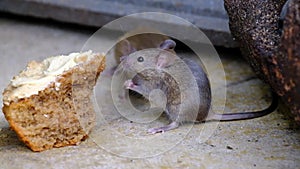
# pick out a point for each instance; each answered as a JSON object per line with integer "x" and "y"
{"x": 188, "y": 100}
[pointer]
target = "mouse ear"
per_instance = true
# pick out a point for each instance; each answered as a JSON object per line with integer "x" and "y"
{"x": 167, "y": 45}
{"x": 164, "y": 60}
{"x": 126, "y": 48}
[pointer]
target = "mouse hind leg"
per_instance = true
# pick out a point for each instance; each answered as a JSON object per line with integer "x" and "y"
{"x": 168, "y": 127}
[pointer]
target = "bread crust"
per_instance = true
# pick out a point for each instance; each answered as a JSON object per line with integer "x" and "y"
{"x": 57, "y": 117}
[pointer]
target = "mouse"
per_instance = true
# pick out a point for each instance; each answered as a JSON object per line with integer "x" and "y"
{"x": 187, "y": 100}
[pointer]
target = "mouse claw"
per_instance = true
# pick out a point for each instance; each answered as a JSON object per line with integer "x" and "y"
{"x": 163, "y": 129}
{"x": 155, "y": 130}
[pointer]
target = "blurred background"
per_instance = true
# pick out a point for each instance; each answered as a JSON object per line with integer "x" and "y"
{"x": 209, "y": 16}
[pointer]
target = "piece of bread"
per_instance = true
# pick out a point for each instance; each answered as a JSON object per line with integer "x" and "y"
{"x": 49, "y": 103}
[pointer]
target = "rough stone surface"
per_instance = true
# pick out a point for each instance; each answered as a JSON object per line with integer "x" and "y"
{"x": 272, "y": 51}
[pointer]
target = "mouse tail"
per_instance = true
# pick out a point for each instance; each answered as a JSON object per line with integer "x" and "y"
{"x": 245, "y": 115}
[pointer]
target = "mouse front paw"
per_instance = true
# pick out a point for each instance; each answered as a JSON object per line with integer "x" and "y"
{"x": 128, "y": 84}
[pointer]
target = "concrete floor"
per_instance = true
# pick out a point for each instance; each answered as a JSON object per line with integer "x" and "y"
{"x": 271, "y": 141}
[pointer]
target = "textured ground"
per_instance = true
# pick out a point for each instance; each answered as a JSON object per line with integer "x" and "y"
{"x": 272, "y": 141}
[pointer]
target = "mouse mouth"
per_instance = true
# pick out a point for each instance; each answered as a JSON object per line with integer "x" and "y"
{"x": 135, "y": 82}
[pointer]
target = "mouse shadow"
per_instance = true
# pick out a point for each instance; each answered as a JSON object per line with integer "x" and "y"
{"x": 286, "y": 116}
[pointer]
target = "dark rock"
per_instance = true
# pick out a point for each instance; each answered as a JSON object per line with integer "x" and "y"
{"x": 288, "y": 59}
{"x": 269, "y": 44}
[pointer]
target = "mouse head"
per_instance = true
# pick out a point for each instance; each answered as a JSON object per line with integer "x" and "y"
{"x": 127, "y": 48}
{"x": 153, "y": 58}
{"x": 159, "y": 58}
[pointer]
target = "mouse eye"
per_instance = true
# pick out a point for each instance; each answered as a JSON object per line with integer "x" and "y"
{"x": 140, "y": 59}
